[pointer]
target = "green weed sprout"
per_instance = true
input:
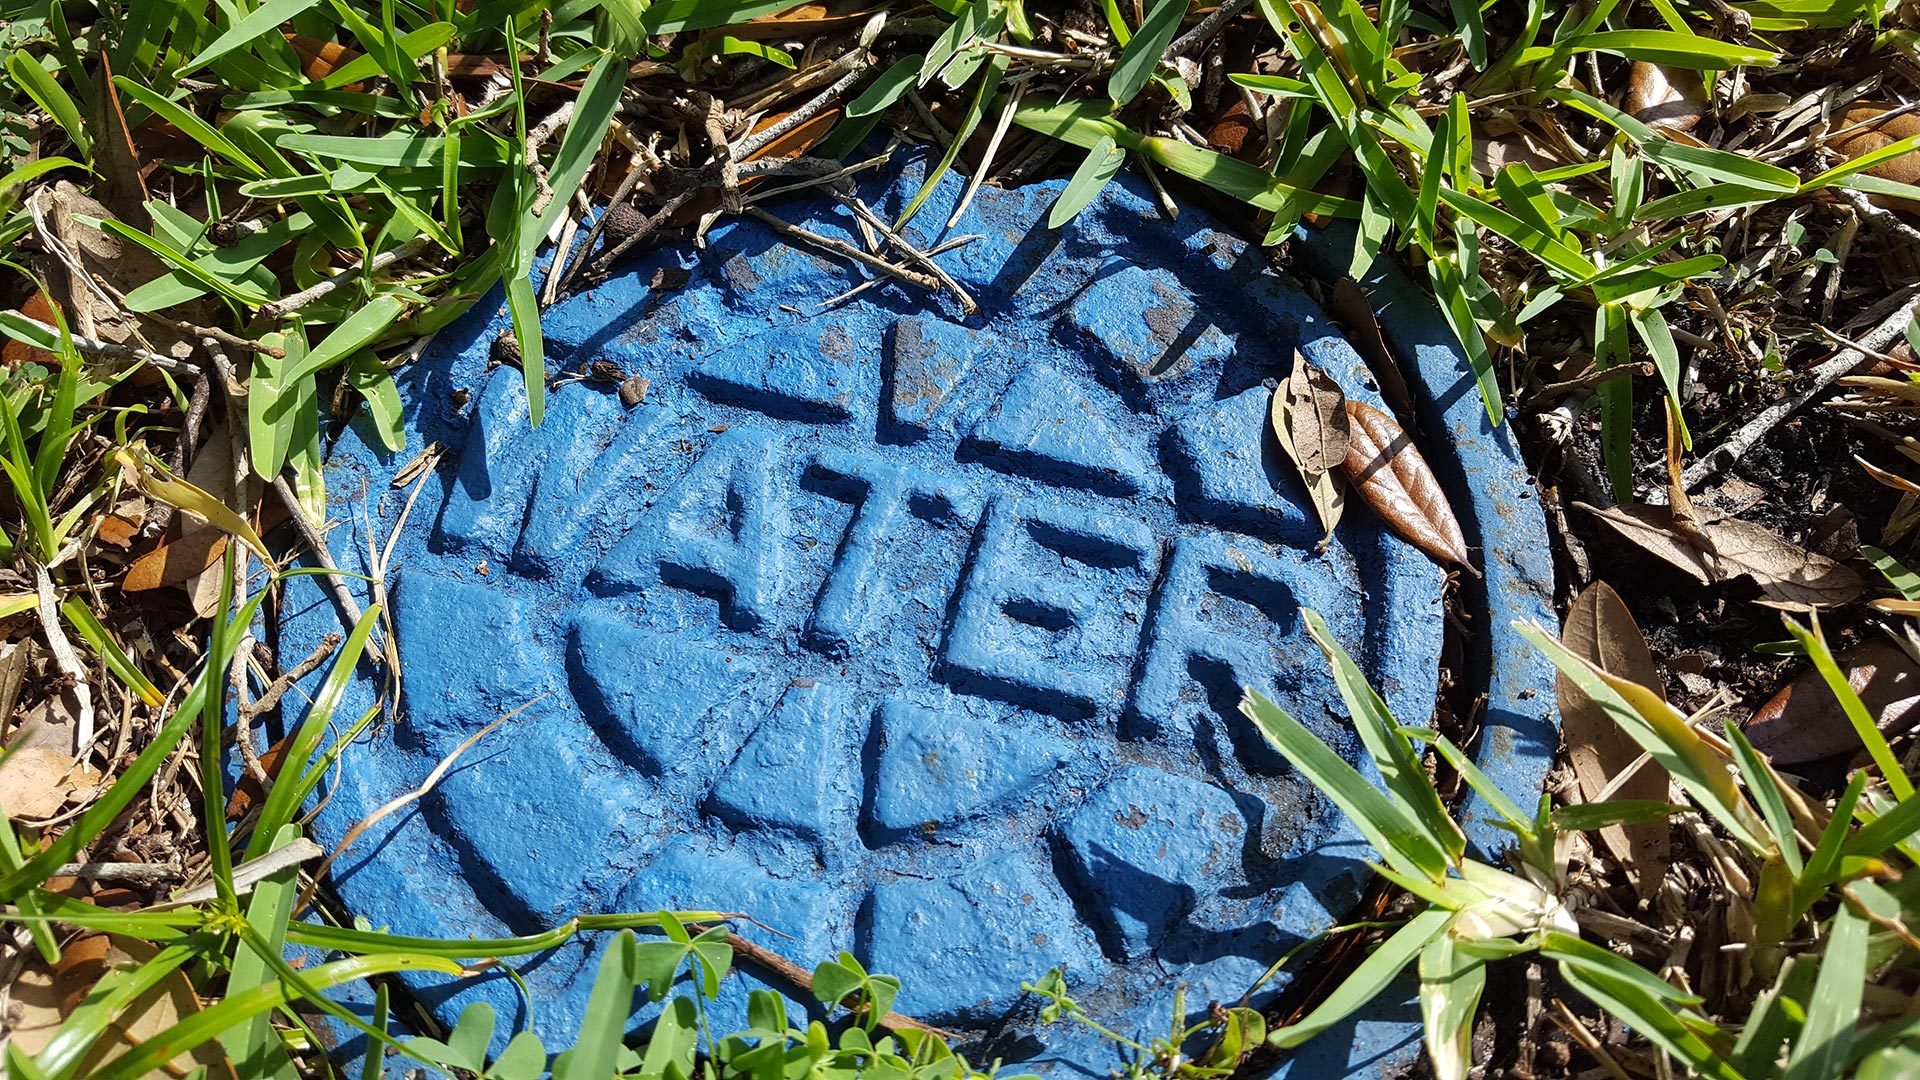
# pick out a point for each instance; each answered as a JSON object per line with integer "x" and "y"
{"x": 1807, "y": 1023}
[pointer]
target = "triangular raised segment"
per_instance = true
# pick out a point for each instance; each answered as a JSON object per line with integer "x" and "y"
{"x": 1046, "y": 428}
{"x": 942, "y": 767}
{"x": 798, "y": 771}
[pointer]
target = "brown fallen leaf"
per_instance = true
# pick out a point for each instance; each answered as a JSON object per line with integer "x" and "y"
{"x": 41, "y": 998}
{"x": 176, "y": 561}
{"x": 36, "y": 781}
{"x": 1350, "y": 306}
{"x": 248, "y": 793}
{"x": 116, "y": 159}
{"x": 1229, "y": 131}
{"x": 320, "y": 58}
{"x": 1790, "y": 577}
{"x": 1309, "y": 420}
{"x": 1672, "y": 98}
{"x": 117, "y": 529}
{"x": 37, "y": 307}
{"x": 1600, "y": 629}
{"x": 1804, "y": 721}
{"x": 1392, "y": 477}
{"x": 1860, "y": 130}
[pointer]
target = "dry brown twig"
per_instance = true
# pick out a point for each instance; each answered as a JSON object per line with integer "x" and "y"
{"x": 399, "y": 802}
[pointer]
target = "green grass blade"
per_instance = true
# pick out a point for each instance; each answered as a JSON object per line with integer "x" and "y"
{"x": 101, "y": 641}
{"x": 1834, "y": 1006}
{"x": 1556, "y": 255}
{"x": 191, "y": 125}
{"x": 1613, "y": 346}
{"x": 413, "y": 46}
{"x": 1099, "y": 167}
{"x": 580, "y": 146}
{"x": 262, "y": 20}
{"x": 604, "y": 1023}
{"x": 1620, "y": 988}
{"x": 11, "y": 859}
{"x": 1391, "y": 829}
{"x": 1896, "y": 572}
{"x": 1450, "y": 289}
{"x": 110, "y": 997}
{"x": 1400, "y": 766}
{"x": 252, "y": 1044}
{"x": 1664, "y": 734}
{"x": 1894, "y": 827}
{"x": 674, "y": 16}
{"x": 888, "y": 88}
{"x": 1141, "y": 56}
{"x": 1667, "y": 47}
{"x": 1084, "y": 123}
{"x": 30, "y": 77}
{"x": 996, "y": 69}
{"x": 1701, "y": 164}
{"x": 1367, "y": 980}
{"x": 524, "y": 308}
{"x": 1451, "y": 983}
{"x": 1472, "y": 30}
{"x": 281, "y": 805}
{"x": 1896, "y": 149}
{"x": 1863, "y": 723}
{"x": 238, "y": 292}
{"x": 153, "y": 1052}
{"x": 352, "y": 334}
{"x": 1763, "y": 784}
{"x": 1653, "y": 330}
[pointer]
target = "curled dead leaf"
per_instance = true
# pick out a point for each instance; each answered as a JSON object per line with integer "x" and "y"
{"x": 1804, "y": 721}
{"x": 1393, "y": 479}
{"x": 1601, "y": 630}
{"x": 1310, "y": 422}
{"x": 1789, "y": 576}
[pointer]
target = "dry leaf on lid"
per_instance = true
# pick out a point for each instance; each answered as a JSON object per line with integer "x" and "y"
{"x": 1600, "y": 629}
{"x": 1309, "y": 420}
{"x": 1392, "y": 478}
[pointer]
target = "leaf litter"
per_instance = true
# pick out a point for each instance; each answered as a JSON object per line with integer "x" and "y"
{"x": 1310, "y": 422}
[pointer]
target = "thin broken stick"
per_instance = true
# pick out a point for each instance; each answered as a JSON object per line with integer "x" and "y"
{"x": 845, "y": 250}
{"x": 336, "y": 585}
{"x": 1889, "y": 330}
{"x": 427, "y": 785}
{"x": 772, "y": 962}
{"x": 861, "y": 210}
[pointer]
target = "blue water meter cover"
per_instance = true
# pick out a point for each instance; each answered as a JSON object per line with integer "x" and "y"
{"x": 901, "y": 630}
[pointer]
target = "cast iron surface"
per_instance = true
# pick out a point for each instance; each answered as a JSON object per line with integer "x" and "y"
{"x": 906, "y": 632}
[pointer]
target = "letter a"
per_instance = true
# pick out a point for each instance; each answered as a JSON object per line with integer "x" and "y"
{"x": 712, "y": 533}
